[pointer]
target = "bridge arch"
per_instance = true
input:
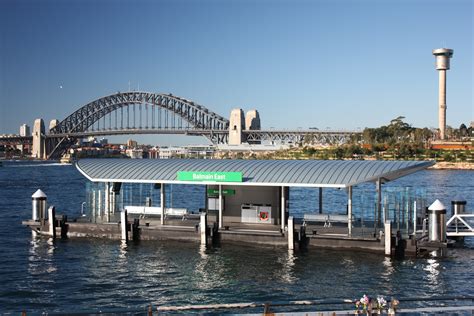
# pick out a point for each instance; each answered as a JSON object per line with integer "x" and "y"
{"x": 201, "y": 121}
{"x": 198, "y": 116}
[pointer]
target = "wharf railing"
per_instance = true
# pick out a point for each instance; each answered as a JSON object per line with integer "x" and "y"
{"x": 461, "y": 305}
{"x": 460, "y": 225}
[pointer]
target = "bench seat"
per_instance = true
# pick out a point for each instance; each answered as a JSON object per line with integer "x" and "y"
{"x": 153, "y": 210}
{"x": 327, "y": 219}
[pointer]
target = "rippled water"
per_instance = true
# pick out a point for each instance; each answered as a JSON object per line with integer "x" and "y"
{"x": 39, "y": 275}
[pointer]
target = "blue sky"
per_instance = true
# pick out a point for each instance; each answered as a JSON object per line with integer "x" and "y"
{"x": 338, "y": 64}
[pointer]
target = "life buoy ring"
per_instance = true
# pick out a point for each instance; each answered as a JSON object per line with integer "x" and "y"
{"x": 264, "y": 216}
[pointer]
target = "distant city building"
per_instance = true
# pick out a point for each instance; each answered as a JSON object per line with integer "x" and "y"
{"x": 199, "y": 151}
{"x": 192, "y": 151}
{"x": 172, "y": 152}
{"x": 132, "y": 143}
{"x": 25, "y": 130}
{"x": 154, "y": 153}
{"x": 134, "y": 153}
{"x": 252, "y": 148}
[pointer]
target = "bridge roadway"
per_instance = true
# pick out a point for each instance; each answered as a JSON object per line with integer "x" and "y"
{"x": 15, "y": 140}
{"x": 253, "y": 135}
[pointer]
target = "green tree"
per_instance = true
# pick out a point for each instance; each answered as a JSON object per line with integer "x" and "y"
{"x": 463, "y": 130}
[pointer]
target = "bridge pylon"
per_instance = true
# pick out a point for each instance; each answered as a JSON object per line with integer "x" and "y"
{"x": 39, "y": 140}
{"x": 236, "y": 126}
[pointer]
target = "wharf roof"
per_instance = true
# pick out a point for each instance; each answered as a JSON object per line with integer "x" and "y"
{"x": 302, "y": 173}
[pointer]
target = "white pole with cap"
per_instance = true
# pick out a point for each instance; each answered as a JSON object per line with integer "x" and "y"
{"x": 437, "y": 221}
{"x": 38, "y": 205}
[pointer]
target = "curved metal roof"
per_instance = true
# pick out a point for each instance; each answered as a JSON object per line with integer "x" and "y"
{"x": 310, "y": 173}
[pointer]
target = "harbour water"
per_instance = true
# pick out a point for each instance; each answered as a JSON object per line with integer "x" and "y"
{"x": 39, "y": 275}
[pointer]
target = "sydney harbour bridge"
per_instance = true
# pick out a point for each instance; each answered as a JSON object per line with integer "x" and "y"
{"x": 135, "y": 112}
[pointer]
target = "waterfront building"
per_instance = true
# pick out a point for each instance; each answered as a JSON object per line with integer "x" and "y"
{"x": 253, "y": 195}
{"x": 132, "y": 143}
{"x": 171, "y": 152}
{"x": 190, "y": 151}
{"x": 153, "y": 153}
{"x": 199, "y": 151}
{"x": 134, "y": 153}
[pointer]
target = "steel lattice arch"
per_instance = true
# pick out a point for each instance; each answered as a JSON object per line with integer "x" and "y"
{"x": 157, "y": 114}
{"x": 197, "y": 116}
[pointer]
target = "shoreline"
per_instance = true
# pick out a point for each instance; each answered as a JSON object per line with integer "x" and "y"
{"x": 444, "y": 165}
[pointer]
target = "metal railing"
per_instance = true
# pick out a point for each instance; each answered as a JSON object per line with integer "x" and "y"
{"x": 458, "y": 226}
{"x": 448, "y": 304}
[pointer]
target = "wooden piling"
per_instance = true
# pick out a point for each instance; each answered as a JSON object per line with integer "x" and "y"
{"x": 52, "y": 221}
{"x": 266, "y": 309}
{"x": 291, "y": 233}
{"x": 203, "y": 227}
{"x": 64, "y": 226}
{"x": 123, "y": 224}
{"x": 136, "y": 229}
{"x": 302, "y": 239}
{"x": 388, "y": 238}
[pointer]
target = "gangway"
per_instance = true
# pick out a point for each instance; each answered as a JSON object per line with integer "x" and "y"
{"x": 459, "y": 225}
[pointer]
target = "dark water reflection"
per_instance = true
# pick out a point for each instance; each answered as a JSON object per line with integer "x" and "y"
{"x": 38, "y": 274}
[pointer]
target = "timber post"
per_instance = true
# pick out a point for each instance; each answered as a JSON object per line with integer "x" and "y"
{"x": 124, "y": 224}
{"x": 52, "y": 221}
{"x": 291, "y": 233}
{"x": 388, "y": 238}
{"x": 203, "y": 228}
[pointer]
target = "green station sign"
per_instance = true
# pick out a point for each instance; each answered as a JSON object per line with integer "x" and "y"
{"x": 209, "y": 176}
{"x": 215, "y": 192}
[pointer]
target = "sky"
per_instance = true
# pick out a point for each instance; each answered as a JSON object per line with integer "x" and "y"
{"x": 338, "y": 64}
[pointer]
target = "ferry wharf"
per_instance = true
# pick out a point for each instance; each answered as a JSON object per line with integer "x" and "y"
{"x": 247, "y": 201}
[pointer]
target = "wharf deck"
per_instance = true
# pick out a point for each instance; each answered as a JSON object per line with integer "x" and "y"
{"x": 314, "y": 236}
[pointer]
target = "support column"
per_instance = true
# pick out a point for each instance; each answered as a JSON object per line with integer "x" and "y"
{"x": 203, "y": 227}
{"x": 414, "y": 220}
{"x": 349, "y": 211}
{"x": 123, "y": 224}
{"x": 94, "y": 206}
{"x": 291, "y": 233}
{"x": 283, "y": 208}
{"x": 163, "y": 203}
{"x": 99, "y": 204}
{"x": 113, "y": 204}
{"x": 379, "y": 202}
{"x": 442, "y": 104}
{"x": 107, "y": 201}
{"x": 220, "y": 207}
{"x": 320, "y": 200}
